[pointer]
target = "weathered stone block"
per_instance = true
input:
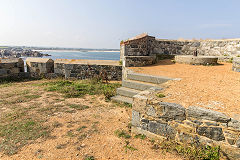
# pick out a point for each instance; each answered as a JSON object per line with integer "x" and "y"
{"x": 202, "y": 113}
{"x": 161, "y": 129}
{"x": 171, "y": 111}
{"x": 214, "y": 133}
{"x": 187, "y": 138}
{"x": 238, "y": 143}
{"x": 135, "y": 118}
{"x": 234, "y": 124}
{"x": 139, "y": 103}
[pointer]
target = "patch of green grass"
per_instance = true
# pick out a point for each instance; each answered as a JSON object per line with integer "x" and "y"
{"x": 78, "y": 106}
{"x": 82, "y": 136}
{"x": 70, "y": 134}
{"x": 30, "y": 97}
{"x": 141, "y": 136}
{"x": 87, "y": 157}
{"x": 128, "y": 147}
{"x": 123, "y": 105}
{"x": 51, "y": 109}
{"x": 192, "y": 151}
{"x": 81, "y": 128}
{"x": 79, "y": 88}
{"x": 160, "y": 95}
{"x": 21, "y": 99}
{"x": 122, "y": 134}
{"x": 17, "y": 134}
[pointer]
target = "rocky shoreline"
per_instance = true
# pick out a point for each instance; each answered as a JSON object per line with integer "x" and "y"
{"x": 20, "y": 52}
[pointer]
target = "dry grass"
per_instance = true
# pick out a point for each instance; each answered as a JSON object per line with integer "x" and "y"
{"x": 36, "y": 123}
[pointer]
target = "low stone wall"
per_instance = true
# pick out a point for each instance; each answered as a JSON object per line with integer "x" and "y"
{"x": 74, "y": 69}
{"x": 236, "y": 64}
{"x": 192, "y": 125}
{"x": 84, "y": 71}
{"x": 12, "y": 67}
{"x": 196, "y": 60}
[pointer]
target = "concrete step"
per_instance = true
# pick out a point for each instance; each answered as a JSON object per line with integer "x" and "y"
{"x": 139, "y": 85}
{"x": 127, "y": 92}
{"x": 124, "y": 99}
{"x": 147, "y": 78}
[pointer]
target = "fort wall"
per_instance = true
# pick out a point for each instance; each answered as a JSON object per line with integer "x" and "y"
{"x": 192, "y": 125}
{"x": 11, "y": 67}
{"x": 143, "y": 46}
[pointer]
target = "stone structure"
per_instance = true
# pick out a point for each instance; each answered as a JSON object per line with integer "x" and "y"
{"x": 236, "y": 64}
{"x": 192, "y": 125}
{"x": 40, "y": 66}
{"x": 144, "y": 50}
{"x": 196, "y": 60}
{"x": 76, "y": 69}
{"x": 11, "y": 67}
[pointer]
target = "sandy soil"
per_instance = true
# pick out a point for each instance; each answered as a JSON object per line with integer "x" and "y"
{"x": 212, "y": 87}
{"x": 96, "y": 139}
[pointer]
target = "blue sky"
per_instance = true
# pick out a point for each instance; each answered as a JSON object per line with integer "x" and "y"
{"x": 104, "y": 23}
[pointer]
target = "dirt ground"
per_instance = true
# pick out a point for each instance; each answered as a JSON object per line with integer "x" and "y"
{"x": 212, "y": 87}
{"x": 77, "y": 134}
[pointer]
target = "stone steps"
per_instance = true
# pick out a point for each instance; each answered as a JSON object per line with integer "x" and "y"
{"x": 147, "y": 78}
{"x": 127, "y": 92}
{"x": 124, "y": 99}
{"x": 138, "y": 85}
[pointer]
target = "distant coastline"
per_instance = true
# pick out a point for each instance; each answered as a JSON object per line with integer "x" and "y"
{"x": 75, "y": 50}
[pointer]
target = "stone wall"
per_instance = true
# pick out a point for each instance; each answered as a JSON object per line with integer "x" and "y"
{"x": 204, "y": 47}
{"x": 192, "y": 125}
{"x": 74, "y": 69}
{"x": 40, "y": 65}
{"x": 12, "y": 67}
{"x": 236, "y": 64}
{"x": 144, "y": 45}
{"x": 84, "y": 71}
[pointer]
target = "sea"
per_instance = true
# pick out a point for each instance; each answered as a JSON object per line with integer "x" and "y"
{"x": 93, "y": 55}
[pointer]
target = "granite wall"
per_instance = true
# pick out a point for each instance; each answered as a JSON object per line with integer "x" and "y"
{"x": 12, "y": 67}
{"x": 203, "y": 47}
{"x": 192, "y": 125}
{"x": 74, "y": 69}
{"x": 143, "y": 46}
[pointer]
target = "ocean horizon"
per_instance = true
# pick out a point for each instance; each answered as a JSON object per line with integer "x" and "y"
{"x": 92, "y": 55}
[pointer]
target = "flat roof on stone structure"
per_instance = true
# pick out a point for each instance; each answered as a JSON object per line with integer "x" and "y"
{"x": 10, "y": 60}
{"x": 88, "y": 62}
{"x": 40, "y": 60}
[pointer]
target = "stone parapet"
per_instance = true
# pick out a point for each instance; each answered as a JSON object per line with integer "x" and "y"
{"x": 192, "y": 125}
{"x": 74, "y": 69}
{"x": 11, "y": 67}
